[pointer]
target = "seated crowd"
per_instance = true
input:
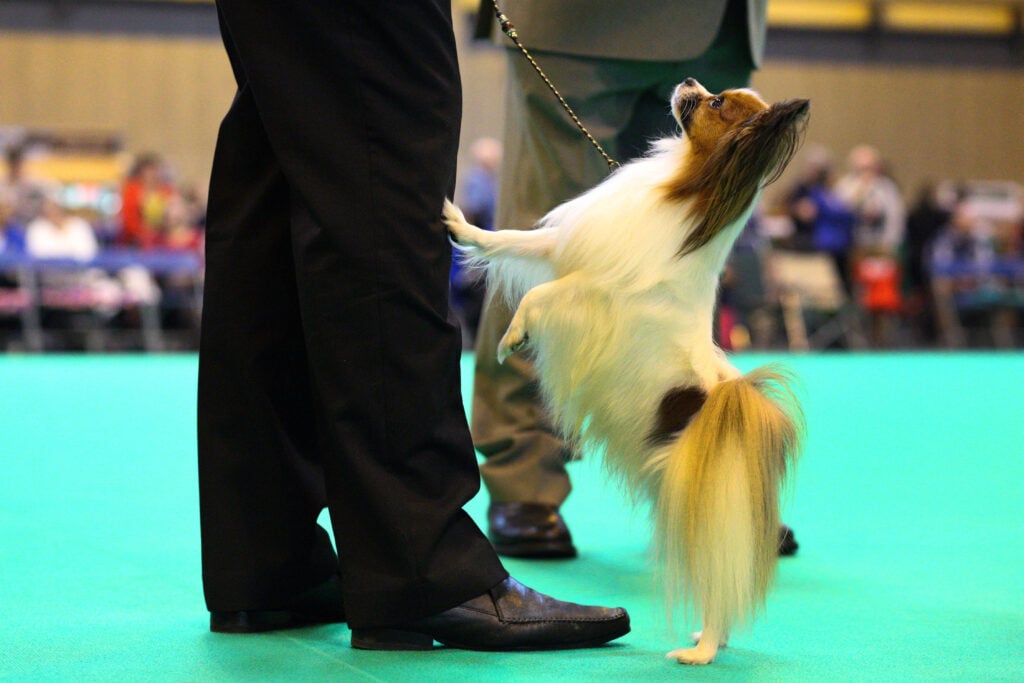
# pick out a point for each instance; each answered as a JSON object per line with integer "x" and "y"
{"x": 106, "y": 270}
{"x": 946, "y": 272}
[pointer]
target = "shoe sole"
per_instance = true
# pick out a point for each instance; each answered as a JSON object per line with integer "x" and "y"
{"x": 536, "y": 550}
{"x": 401, "y": 640}
{"x": 278, "y": 621}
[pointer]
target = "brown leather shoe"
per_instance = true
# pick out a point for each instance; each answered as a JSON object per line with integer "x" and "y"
{"x": 319, "y": 605}
{"x": 529, "y": 530}
{"x": 508, "y": 617}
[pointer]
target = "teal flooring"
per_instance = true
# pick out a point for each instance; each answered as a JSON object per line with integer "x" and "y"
{"x": 908, "y": 504}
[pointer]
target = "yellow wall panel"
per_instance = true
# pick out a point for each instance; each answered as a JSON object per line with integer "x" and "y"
{"x": 163, "y": 94}
{"x": 168, "y": 95}
{"x": 958, "y": 17}
{"x": 837, "y": 14}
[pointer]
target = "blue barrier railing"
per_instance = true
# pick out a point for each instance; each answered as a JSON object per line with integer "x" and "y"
{"x": 30, "y": 272}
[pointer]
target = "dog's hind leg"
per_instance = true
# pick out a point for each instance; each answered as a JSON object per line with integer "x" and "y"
{"x": 695, "y": 637}
{"x": 530, "y": 309}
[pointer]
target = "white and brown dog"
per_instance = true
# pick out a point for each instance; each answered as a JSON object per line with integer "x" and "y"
{"x": 616, "y": 294}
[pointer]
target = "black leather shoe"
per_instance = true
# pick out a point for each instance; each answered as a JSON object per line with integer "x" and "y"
{"x": 529, "y": 530}
{"x": 787, "y": 542}
{"x": 320, "y": 605}
{"x": 510, "y": 616}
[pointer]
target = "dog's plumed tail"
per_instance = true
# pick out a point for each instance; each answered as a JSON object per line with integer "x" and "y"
{"x": 717, "y": 507}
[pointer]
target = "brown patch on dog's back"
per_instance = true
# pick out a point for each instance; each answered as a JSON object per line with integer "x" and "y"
{"x": 678, "y": 406}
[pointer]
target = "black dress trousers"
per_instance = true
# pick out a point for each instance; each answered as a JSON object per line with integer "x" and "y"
{"x": 329, "y": 360}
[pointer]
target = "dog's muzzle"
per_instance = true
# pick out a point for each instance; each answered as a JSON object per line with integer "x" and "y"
{"x": 685, "y": 99}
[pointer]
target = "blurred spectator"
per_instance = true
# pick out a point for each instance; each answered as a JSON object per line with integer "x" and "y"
{"x": 180, "y": 232}
{"x": 478, "y": 201}
{"x": 480, "y": 186}
{"x": 741, "y": 317}
{"x": 930, "y": 213}
{"x": 20, "y": 202}
{"x": 878, "y": 275}
{"x": 963, "y": 249}
{"x": 878, "y": 231}
{"x": 822, "y": 221}
{"x": 801, "y": 213}
{"x": 144, "y": 199}
{"x": 20, "y": 198}
{"x": 924, "y": 222}
{"x": 973, "y": 275}
{"x": 12, "y": 240}
{"x": 876, "y": 202}
{"x": 58, "y": 234}
{"x": 195, "y": 200}
{"x": 12, "y": 236}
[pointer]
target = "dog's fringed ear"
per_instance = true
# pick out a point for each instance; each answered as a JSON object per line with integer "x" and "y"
{"x": 747, "y": 158}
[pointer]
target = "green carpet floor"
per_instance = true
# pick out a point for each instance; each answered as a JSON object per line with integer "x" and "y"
{"x": 908, "y": 505}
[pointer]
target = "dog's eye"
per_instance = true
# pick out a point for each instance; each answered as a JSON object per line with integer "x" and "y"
{"x": 717, "y": 103}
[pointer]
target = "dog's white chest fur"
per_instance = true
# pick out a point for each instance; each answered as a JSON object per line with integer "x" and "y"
{"x": 621, "y": 242}
{"x": 625, "y": 317}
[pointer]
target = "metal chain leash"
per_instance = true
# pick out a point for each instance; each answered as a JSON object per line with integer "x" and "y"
{"x": 510, "y": 30}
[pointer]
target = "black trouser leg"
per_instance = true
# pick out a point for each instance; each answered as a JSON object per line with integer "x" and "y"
{"x": 261, "y": 484}
{"x": 360, "y": 105}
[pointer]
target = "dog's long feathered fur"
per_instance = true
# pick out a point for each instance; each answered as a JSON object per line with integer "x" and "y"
{"x": 616, "y": 293}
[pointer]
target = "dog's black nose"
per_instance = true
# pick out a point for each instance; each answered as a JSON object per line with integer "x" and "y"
{"x": 690, "y": 82}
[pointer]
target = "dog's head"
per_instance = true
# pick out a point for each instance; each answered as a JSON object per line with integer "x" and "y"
{"x": 738, "y": 144}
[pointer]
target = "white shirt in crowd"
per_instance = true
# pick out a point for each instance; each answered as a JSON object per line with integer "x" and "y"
{"x": 73, "y": 238}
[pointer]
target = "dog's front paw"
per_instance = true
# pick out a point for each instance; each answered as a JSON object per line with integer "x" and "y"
{"x": 458, "y": 227}
{"x": 511, "y": 342}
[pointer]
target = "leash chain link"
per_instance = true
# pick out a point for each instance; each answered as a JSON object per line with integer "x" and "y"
{"x": 510, "y": 30}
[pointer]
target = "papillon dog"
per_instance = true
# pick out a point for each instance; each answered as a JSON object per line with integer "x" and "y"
{"x": 614, "y": 292}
